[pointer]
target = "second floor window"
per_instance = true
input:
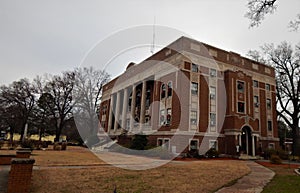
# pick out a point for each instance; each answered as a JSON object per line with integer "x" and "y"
{"x": 212, "y": 119}
{"x": 213, "y": 73}
{"x": 240, "y": 87}
{"x": 268, "y": 87}
{"x": 269, "y": 125}
{"x": 193, "y": 118}
{"x": 162, "y": 117}
{"x": 169, "y": 89}
{"x": 163, "y": 91}
{"x": 256, "y": 101}
{"x": 169, "y": 116}
{"x": 194, "y": 67}
{"x": 255, "y": 83}
{"x": 194, "y": 88}
{"x": 241, "y": 107}
{"x": 268, "y": 104}
{"x": 212, "y": 92}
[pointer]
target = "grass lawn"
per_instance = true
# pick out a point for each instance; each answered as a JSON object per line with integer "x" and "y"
{"x": 177, "y": 176}
{"x": 285, "y": 180}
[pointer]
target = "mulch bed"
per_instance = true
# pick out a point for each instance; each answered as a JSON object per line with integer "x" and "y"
{"x": 203, "y": 159}
{"x": 268, "y": 164}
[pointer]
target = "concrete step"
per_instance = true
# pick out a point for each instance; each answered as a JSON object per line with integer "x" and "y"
{"x": 248, "y": 157}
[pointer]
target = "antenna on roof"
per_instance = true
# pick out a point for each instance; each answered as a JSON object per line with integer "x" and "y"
{"x": 153, "y": 38}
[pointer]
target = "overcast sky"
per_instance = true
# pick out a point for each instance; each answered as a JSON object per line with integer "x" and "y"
{"x": 43, "y": 36}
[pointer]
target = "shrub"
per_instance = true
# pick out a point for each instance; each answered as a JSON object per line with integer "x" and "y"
{"x": 281, "y": 153}
{"x": 44, "y": 144}
{"x": 139, "y": 142}
{"x": 56, "y": 146}
{"x": 28, "y": 144}
{"x": 212, "y": 153}
{"x": 193, "y": 153}
{"x": 64, "y": 146}
{"x": 275, "y": 159}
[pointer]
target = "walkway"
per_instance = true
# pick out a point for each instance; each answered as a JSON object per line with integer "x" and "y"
{"x": 253, "y": 182}
{"x": 4, "y": 170}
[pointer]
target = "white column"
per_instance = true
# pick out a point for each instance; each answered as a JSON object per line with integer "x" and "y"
{"x": 110, "y": 116}
{"x": 240, "y": 140}
{"x": 253, "y": 145}
{"x": 143, "y": 105}
{"x": 125, "y": 104}
{"x": 133, "y": 107}
{"x": 117, "y": 113}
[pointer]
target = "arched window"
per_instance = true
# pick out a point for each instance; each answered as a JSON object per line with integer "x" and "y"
{"x": 163, "y": 91}
{"x": 169, "y": 89}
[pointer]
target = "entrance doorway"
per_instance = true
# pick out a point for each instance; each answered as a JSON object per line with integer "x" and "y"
{"x": 246, "y": 140}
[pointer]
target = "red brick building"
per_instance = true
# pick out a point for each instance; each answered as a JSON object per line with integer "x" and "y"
{"x": 193, "y": 96}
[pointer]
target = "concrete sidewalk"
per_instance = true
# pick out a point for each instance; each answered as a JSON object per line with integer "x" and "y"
{"x": 4, "y": 171}
{"x": 254, "y": 182}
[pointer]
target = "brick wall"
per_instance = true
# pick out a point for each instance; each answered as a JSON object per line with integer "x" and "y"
{"x": 20, "y": 175}
{"x": 6, "y": 159}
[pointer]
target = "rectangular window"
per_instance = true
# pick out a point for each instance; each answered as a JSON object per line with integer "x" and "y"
{"x": 193, "y": 117}
{"x": 213, "y": 73}
{"x": 194, "y": 145}
{"x": 194, "y": 88}
{"x": 241, "y": 107}
{"x": 194, "y": 67}
{"x": 213, "y": 144}
{"x": 256, "y": 101}
{"x": 169, "y": 116}
{"x": 268, "y": 104}
{"x": 269, "y": 125}
{"x": 240, "y": 86}
{"x": 271, "y": 146}
{"x": 212, "y": 119}
{"x": 166, "y": 143}
{"x": 268, "y": 87}
{"x": 159, "y": 142}
{"x": 162, "y": 117}
{"x": 255, "y": 83}
{"x": 212, "y": 92}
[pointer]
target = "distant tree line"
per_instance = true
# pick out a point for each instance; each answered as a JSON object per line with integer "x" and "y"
{"x": 47, "y": 103}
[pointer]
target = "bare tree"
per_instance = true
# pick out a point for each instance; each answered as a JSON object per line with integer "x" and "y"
{"x": 10, "y": 119}
{"x": 87, "y": 96}
{"x": 294, "y": 25}
{"x": 18, "y": 100}
{"x": 258, "y": 9}
{"x": 56, "y": 100}
{"x": 286, "y": 62}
